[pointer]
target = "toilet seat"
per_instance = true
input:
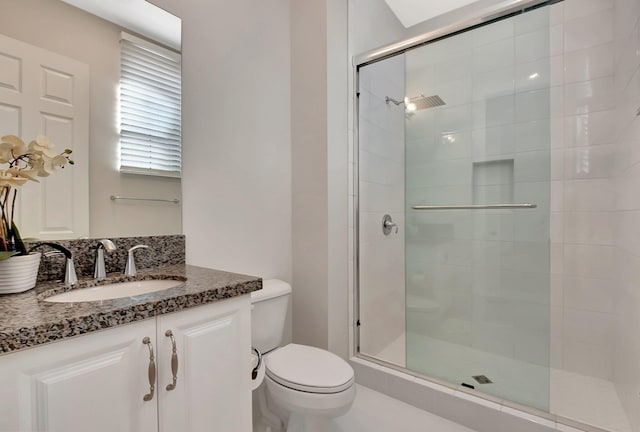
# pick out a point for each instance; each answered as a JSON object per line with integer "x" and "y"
{"x": 309, "y": 369}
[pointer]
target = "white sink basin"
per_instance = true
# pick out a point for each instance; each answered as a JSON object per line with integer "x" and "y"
{"x": 114, "y": 291}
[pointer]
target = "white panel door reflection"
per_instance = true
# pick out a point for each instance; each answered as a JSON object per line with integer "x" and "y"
{"x": 43, "y": 93}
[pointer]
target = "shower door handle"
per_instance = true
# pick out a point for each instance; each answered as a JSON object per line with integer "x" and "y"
{"x": 475, "y": 207}
{"x": 388, "y": 224}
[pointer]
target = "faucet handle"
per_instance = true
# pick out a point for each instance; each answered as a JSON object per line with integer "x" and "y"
{"x": 107, "y": 245}
{"x": 130, "y": 268}
{"x": 138, "y": 247}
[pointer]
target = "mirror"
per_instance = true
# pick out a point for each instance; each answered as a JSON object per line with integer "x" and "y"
{"x": 86, "y": 32}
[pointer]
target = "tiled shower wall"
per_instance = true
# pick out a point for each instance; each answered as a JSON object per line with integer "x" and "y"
{"x": 624, "y": 293}
{"x": 381, "y": 189}
{"x": 583, "y": 199}
{"x": 595, "y": 182}
{"x": 482, "y": 274}
{"x": 594, "y": 230}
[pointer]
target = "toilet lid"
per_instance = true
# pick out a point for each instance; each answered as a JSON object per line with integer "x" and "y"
{"x": 309, "y": 369}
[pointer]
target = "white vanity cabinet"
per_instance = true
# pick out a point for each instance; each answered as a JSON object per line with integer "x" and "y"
{"x": 98, "y": 382}
{"x": 90, "y": 383}
{"x": 213, "y": 386}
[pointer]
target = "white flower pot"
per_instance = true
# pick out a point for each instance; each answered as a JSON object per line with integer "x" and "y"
{"x": 19, "y": 273}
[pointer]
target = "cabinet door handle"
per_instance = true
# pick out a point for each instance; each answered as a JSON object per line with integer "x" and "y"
{"x": 174, "y": 361}
{"x": 152, "y": 370}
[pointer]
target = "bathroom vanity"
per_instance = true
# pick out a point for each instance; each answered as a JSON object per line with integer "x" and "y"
{"x": 172, "y": 360}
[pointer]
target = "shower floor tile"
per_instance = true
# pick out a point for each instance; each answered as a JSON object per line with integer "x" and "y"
{"x": 586, "y": 399}
{"x": 395, "y": 352}
{"x": 514, "y": 380}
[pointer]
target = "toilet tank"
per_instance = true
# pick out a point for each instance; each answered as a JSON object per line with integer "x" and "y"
{"x": 268, "y": 314}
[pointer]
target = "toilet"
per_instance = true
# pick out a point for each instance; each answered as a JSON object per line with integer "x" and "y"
{"x": 304, "y": 387}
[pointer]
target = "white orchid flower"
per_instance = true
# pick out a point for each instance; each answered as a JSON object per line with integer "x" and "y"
{"x": 7, "y": 179}
{"x": 11, "y": 147}
{"x": 23, "y": 164}
{"x": 41, "y": 167}
{"x": 42, "y": 145}
{"x": 59, "y": 161}
{"x": 29, "y": 174}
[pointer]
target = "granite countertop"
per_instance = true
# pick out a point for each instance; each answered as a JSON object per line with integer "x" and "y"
{"x": 26, "y": 320}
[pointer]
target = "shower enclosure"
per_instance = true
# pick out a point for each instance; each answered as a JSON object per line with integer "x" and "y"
{"x": 488, "y": 189}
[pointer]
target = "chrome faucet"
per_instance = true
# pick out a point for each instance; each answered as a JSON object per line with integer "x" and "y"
{"x": 130, "y": 268}
{"x": 70, "y": 277}
{"x": 99, "y": 271}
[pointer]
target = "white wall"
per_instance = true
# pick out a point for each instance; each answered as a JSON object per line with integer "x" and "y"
{"x": 410, "y": 12}
{"x": 320, "y": 174}
{"x": 237, "y": 135}
{"x": 338, "y": 177}
{"x": 95, "y": 42}
{"x": 371, "y": 25}
{"x": 623, "y": 298}
{"x": 269, "y": 194}
{"x": 309, "y": 164}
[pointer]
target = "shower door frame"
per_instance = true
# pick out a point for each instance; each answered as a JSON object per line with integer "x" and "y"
{"x": 487, "y": 16}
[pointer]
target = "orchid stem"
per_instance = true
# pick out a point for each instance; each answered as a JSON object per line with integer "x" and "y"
{"x": 13, "y": 204}
{"x": 3, "y": 226}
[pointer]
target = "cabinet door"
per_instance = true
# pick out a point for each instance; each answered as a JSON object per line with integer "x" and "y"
{"x": 90, "y": 383}
{"x": 212, "y": 391}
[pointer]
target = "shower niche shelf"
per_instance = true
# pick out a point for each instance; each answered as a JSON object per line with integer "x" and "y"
{"x": 493, "y": 182}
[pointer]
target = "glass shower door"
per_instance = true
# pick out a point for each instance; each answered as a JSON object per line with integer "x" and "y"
{"x": 454, "y": 152}
{"x": 477, "y": 194}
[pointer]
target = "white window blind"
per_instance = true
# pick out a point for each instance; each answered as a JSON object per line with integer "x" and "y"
{"x": 150, "y": 109}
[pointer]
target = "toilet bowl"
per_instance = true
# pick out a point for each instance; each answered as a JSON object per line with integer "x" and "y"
{"x": 305, "y": 386}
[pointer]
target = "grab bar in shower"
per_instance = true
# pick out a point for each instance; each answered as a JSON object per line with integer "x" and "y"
{"x": 476, "y": 207}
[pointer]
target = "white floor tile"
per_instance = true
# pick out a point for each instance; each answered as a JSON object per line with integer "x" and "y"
{"x": 375, "y": 412}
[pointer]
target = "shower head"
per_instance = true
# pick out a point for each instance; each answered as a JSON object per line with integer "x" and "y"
{"x": 387, "y": 99}
{"x": 423, "y": 102}
{"x": 417, "y": 103}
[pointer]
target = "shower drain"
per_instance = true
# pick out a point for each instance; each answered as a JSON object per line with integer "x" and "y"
{"x": 482, "y": 379}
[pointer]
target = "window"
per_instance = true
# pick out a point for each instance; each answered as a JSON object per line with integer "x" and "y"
{"x": 150, "y": 109}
